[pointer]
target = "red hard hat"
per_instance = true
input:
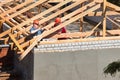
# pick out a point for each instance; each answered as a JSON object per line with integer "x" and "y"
{"x": 57, "y": 20}
{"x": 36, "y": 22}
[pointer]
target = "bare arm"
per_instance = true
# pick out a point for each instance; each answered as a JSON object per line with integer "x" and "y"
{"x": 34, "y": 31}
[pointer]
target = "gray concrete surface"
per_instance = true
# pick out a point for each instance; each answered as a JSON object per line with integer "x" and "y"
{"x": 74, "y": 65}
{"x": 53, "y": 62}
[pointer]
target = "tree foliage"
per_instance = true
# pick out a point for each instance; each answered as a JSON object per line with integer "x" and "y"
{"x": 112, "y": 68}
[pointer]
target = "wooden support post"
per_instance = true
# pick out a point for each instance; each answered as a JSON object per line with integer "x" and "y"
{"x": 104, "y": 18}
{"x": 81, "y": 24}
{"x": 81, "y": 20}
{"x": 39, "y": 8}
{"x": 16, "y": 42}
{"x": 1, "y": 27}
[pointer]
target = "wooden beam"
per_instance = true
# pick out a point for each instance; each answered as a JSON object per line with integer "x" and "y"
{"x": 16, "y": 7}
{"x": 55, "y": 1}
{"x": 64, "y": 18}
{"x": 118, "y": 25}
{"x": 84, "y": 34}
{"x": 94, "y": 29}
{"x": 99, "y": 13}
{"x": 104, "y": 18}
{"x": 55, "y": 14}
{"x": 18, "y": 27}
{"x": 11, "y": 29}
{"x": 62, "y": 11}
{"x": 35, "y": 17}
{"x": 27, "y": 8}
{"x": 5, "y": 2}
{"x": 113, "y": 6}
{"x": 80, "y": 40}
{"x": 44, "y": 34}
{"x": 16, "y": 42}
{"x": 46, "y": 5}
{"x": 76, "y": 35}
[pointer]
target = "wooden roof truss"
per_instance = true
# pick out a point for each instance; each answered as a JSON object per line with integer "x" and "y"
{"x": 20, "y": 17}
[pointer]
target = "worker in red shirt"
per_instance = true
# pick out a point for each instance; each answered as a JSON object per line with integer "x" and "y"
{"x": 62, "y": 30}
{"x": 58, "y": 22}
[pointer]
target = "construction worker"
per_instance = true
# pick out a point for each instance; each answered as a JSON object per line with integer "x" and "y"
{"x": 36, "y": 29}
{"x": 58, "y": 22}
{"x": 62, "y": 30}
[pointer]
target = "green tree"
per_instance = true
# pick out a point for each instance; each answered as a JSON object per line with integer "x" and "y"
{"x": 112, "y": 68}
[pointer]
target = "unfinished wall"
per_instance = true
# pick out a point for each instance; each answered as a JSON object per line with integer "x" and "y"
{"x": 74, "y": 65}
{"x": 69, "y": 61}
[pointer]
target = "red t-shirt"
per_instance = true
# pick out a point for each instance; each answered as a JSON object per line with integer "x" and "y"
{"x": 62, "y": 30}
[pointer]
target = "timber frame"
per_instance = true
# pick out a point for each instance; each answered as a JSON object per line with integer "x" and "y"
{"x": 18, "y": 16}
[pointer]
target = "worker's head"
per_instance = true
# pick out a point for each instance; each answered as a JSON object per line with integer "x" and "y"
{"x": 35, "y": 23}
{"x": 57, "y": 20}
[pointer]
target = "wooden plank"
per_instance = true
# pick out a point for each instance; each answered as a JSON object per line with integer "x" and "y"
{"x": 5, "y": 33}
{"x": 63, "y": 19}
{"x": 93, "y": 29}
{"x": 104, "y": 18}
{"x": 17, "y": 7}
{"x": 118, "y": 25}
{"x": 27, "y": 8}
{"x": 38, "y": 38}
{"x": 84, "y": 34}
{"x": 16, "y": 42}
{"x": 113, "y": 6}
{"x": 99, "y": 13}
{"x": 5, "y": 2}
{"x": 9, "y": 31}
{"x": 81, "y": 40}
{"x": 35, "y": 17}
{"x": 53, "y": 8}
{"x": 61, "y": 11}
{"x": 46, "y": 5}
{"x": 8, "y": 15}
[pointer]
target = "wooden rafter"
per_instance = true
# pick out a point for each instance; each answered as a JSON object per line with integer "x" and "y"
{"x": 81, "y": 40}
{"x": 25, "y": 46}
{"x": 116, "y": 8}
{"x": 57, "y": 28}
{"x": 18, "y": 27}
{"x": 6, "y": 1}
{"x": 16, "y": 42}
{"x": 99, "y": 13}
{"x": 35, "y": 17}
{"x": 17, "y": 7}
{"x": 27, "y": 8}
{"x": 64, "y": 18}
{"x": 84, "y": 34}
